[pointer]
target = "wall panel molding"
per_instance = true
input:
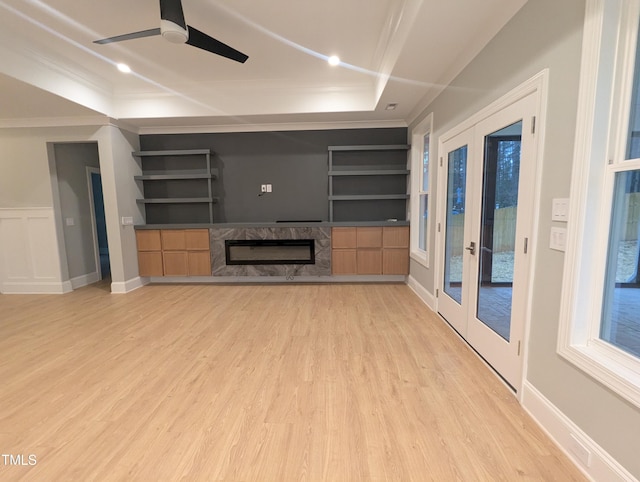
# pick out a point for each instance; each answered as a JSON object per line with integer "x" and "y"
{"x": 29, "y": 259}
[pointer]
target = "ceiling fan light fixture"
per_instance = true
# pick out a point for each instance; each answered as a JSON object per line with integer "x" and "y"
{"x": 173, "y": 32}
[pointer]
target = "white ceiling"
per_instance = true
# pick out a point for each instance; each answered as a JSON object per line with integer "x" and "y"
{"x": 393, "y": 51}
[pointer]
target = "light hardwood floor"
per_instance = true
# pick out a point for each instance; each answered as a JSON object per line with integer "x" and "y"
{"x": 254, "y": 383}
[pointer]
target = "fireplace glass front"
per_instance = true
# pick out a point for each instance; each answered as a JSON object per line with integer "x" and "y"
{"x": 270, "y": 251}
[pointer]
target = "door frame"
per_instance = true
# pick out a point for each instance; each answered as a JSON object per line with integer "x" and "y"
{"x": 538, "y": 84}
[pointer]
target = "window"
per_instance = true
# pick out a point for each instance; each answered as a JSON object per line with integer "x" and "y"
{"x": 600, "y": 317}
{"x": 420, "y": 145}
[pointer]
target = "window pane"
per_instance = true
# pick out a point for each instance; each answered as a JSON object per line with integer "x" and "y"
{"x": 620, "y": 315}
{"x": 425, "y": 165}
{"x": 633, "y": 141}
{"x": 498, "y": 228}
{"x": 422, "y": 234}
{"x": 454, "y": 237}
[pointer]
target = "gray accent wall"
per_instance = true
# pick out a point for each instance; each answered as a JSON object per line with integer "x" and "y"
{"x": 293, "y": 162}
{"x": 545, "y": 34}
{"x": 71, "y": 161}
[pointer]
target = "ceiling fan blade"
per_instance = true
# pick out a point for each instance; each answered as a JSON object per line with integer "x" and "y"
{"x": 129, "y": 36}
{"x": 205, "y": 42}
{"x": 171, "y": 10}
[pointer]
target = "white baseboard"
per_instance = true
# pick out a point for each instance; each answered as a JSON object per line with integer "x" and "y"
{"x": 594, "y": 462}
{"x": 84, "y": 280}
{"x": 36, "y": 288}
{"x": 422, "y": 293}
{"x": 123, "y": 287}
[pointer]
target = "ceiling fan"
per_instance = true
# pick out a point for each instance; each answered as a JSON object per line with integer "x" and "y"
{"x": 174, "y": 28}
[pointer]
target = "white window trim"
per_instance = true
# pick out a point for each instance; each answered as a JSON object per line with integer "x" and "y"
{"x": 601, "y": 90}
{"x": 417, "y": 151}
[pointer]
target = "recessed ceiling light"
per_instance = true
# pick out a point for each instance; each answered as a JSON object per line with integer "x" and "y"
{"x": 124, "y": 68}
{"x": 391, "y": 106}
{"x": 334, "y": 60}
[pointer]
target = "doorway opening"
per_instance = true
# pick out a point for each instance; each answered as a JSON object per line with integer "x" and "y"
{"x": 99, "y": 223}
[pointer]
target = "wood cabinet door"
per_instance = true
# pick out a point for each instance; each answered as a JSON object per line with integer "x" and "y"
{"x": 197, "y": 239}
{"x": 173, "y": 239}
{"x": 395, "y": 261}
{"x": 343, "y": 261}
{"x": 199, "y": 263}
{"x": 148, "y": 240}
{"x": 150, "y": 263}
{"x": 342, "y": 238}
{"x": 395, "y": 236}
{"x": 369, "y": 237}
{"x": 369, "y": 261}
{"x": 175, "y": 263}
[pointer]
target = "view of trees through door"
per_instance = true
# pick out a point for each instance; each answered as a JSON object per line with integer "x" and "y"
{"x": 498, "y": 227}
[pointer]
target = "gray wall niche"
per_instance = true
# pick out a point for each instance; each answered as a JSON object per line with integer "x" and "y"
{"x": 295, "y": 163}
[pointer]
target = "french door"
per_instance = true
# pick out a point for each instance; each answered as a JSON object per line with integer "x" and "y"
{"x": 487, "y": 180}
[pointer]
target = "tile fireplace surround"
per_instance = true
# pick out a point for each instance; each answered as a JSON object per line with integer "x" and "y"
{"x": 321, "y": 235}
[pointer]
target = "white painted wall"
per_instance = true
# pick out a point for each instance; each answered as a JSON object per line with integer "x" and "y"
{"x": 118, "y": 167}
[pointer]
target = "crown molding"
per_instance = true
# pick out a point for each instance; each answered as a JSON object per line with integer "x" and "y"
{"x": 54, "y": 122}
{"x": 270, "y": 127}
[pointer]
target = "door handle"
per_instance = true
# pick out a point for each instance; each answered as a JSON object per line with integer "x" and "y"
{"x": 471, "y": 248}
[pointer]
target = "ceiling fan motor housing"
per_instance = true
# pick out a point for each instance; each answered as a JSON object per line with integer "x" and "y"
{"x": 173, "y": 26}
{"x": 173, "y": 32}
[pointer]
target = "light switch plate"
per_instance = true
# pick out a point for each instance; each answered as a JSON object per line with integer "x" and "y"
{"x": 70, "y": 221}
{"x": 560, "y": 209}
{"x": 558, "y": 239}
{"x": 127, "y": 220}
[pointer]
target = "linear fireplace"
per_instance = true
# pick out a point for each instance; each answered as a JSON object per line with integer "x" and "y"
{"x": 269, "y": 251}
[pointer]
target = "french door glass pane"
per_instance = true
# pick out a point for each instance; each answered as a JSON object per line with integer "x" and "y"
{"x": 501, "y": 173}
{"x": 454, "y": 239}
{"x": 621, "y": 314}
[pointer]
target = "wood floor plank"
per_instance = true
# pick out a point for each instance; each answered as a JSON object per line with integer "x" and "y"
{"x": 255, "y": 383}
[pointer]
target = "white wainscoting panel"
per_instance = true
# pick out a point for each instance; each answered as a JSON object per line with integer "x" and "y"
{"x": 29, "y": 255}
